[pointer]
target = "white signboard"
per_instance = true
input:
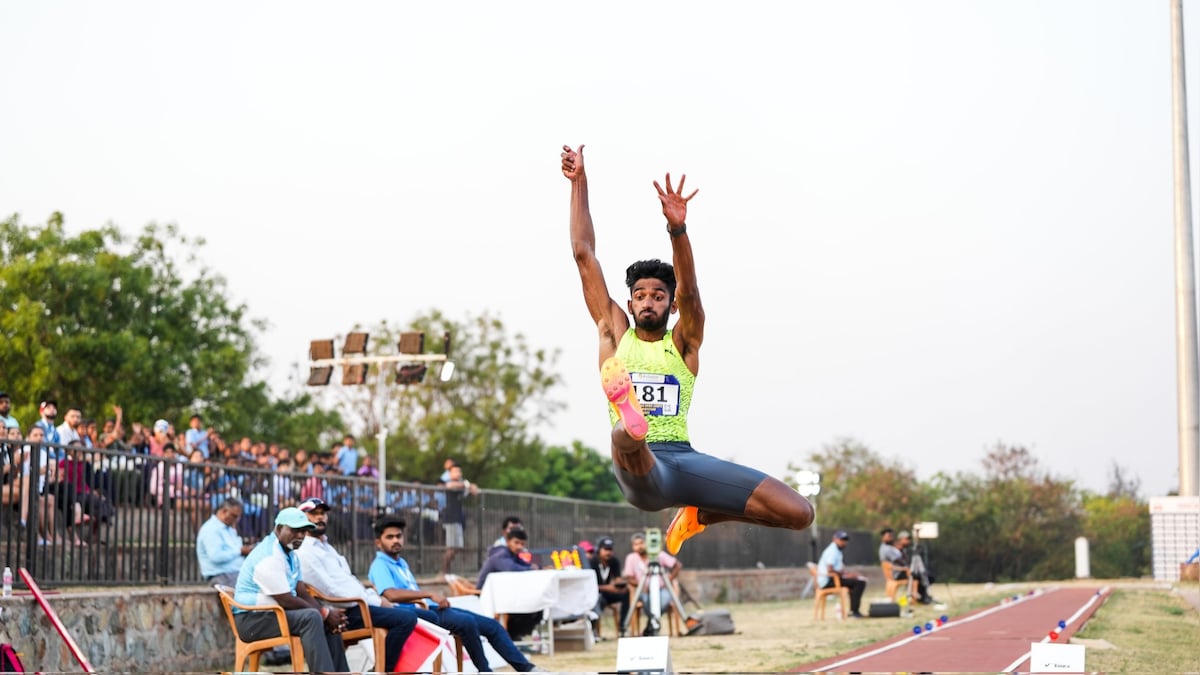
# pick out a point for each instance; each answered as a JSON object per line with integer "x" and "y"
{"x": 644, "y": 655}
{"x": 1047, "y": 657}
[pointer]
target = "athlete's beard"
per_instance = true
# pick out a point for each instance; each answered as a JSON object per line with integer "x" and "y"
{"x": 652, "y": 323}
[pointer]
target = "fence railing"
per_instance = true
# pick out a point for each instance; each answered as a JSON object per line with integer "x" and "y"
{"x": 76, "y": 516}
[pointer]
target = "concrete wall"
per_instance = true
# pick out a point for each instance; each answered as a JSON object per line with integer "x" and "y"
{"x": 183, "y": 629}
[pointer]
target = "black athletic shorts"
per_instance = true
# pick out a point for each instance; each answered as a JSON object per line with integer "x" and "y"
{"x": 683, "y": 477}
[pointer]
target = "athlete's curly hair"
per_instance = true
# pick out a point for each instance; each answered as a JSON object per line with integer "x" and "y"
{"x": 651, "y": 269}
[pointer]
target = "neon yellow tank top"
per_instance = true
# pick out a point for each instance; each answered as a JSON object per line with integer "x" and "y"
{"x": 662, "y": 383}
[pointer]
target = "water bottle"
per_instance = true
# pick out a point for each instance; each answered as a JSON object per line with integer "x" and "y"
{"x": 8, "y": 582}
{"x": 537, "y": 641}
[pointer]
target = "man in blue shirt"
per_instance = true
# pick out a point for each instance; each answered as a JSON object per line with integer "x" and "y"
{"x": 832, "y": 564}
{"x": 347, "y": 457}
{"x": 394, "y": 580}
{"x": 196, "y": 436}
{"x": 271, "y": 576}
{"x": 219, "y": 547}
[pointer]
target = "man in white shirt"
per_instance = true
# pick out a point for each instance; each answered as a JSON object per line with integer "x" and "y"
{"x": 326, "y": 570}
{"x": 66, "y": 431}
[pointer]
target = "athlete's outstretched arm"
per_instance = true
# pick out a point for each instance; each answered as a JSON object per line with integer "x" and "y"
{"x": 610, "y": 318}
{"x": 689, "y": 330}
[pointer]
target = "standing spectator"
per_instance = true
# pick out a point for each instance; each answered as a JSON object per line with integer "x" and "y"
{"x": 196, "y": 437}
{"x": 614, "y": 588}
{"x": 67, "y": 432}
{"x": 219, "y": 549}
{"x": 446, "y": 469}
{"x": 637, "y": 565}
{"x": 394, "y": 580}
{"x": 40, "y": 494}
{"x": 833, "y": 564}
{"x": 315, "y": 485}
{"x": 160, "y": 438}
{"x": 6, "y": 420}
{"x": 327, "y": 571}
{"x": 48, "y": 410}
{"x": 346, "y": 456}
{"x": 271, "y": 576}
{"x": 87, "y": 431}
{"x": 454, "y": 516}
{"x": 285, "y": 487}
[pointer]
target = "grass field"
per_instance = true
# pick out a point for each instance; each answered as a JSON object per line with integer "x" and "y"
{"x": 1150, "y": 631}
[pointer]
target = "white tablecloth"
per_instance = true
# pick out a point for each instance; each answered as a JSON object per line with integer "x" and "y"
{"x": 569, "y": 592}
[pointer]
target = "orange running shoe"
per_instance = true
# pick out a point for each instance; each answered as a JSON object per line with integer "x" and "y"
{"x": 684, "y": 526}
{"x": 619, "y": 390}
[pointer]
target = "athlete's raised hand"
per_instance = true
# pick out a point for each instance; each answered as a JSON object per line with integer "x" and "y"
{"x": 673, "y": 202}
{"x": 572, "y": 162}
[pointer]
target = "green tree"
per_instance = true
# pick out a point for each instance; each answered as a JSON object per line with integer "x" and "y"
{"x": 1016, "y": 522}
{"x": 1117, "y": 527}
{"x": 862, "y": 490}
{"x": 98, "y": 319}
{"x": 483, "y": 417}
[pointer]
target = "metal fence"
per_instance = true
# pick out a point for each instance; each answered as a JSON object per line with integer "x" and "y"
{"x": 74, "y": 516}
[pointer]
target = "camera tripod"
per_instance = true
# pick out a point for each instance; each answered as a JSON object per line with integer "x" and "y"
{"x": 652, "y": 582}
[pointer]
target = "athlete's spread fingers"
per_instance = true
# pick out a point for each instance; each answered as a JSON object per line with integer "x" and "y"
{"x": 658, "y": 187}
{"x": 689, "y": 197}
{"x": 681, "y": 179}
{"x": 669, "y": 183}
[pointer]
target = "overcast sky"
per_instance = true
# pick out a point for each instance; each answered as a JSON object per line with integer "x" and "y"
{"x": 930, "y": 226}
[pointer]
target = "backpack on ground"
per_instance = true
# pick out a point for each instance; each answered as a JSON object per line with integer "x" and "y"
{"x": 712, "y": 622}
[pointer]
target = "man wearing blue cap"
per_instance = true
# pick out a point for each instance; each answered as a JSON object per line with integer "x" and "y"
{"x": 833, "y": 565}
{"x": 270, "y": 575}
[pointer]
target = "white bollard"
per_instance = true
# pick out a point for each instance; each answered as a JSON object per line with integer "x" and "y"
{"x": 1083, "y": 563}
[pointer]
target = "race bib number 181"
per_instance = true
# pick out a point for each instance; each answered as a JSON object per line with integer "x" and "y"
{"x": 658, "y": 394}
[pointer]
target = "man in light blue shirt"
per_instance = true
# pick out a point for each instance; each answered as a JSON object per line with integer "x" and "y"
{"x": 196, "y": 436}
{"x": 833, "y": 565}
{"x": 270, "y": 575}
{"x": 394, "y": 580}
{"x": 219, "y": 548}
{"x": 347, "y": 457}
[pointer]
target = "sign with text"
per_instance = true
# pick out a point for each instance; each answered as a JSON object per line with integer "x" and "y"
{"x": 1047, "y": 657}
{"x": 644, "y": 655}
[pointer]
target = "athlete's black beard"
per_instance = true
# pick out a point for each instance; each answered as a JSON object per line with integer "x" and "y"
{"x": 652, "y": 324}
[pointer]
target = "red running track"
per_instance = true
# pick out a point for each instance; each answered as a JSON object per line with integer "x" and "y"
{"x": 995, "y": 639}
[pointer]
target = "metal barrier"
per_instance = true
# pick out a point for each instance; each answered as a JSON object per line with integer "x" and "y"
{"x": 74, "y": 516}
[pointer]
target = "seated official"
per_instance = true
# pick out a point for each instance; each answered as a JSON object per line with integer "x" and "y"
{"x": 614, "y": 588}
{"x": 833, "y": 565}
{"x": 510, "y": 558}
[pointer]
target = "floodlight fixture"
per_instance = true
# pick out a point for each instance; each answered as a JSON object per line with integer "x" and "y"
{"x": 411, "y": 374}
{"x": 355, "y": 374}
{"x": 356, "y": 343}
{"x": 319, "y": 350}
{"x": 808, "y": 483}
{"x": 319, "y": 376}
{"x": 412, "y": 343}
{"x": 447, "y": 371}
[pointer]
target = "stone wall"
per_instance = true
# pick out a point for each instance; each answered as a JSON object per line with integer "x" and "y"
{"x": 182, "y": 629}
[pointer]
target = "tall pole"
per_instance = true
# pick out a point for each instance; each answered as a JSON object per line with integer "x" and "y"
{"x": 381, "y": 463}
{"x": 1187, "y": 374}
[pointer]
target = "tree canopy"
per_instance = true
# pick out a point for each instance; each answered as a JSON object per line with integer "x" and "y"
{"x": 98, "y": 319}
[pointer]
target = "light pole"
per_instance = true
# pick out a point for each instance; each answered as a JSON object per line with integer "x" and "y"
{"x": 808, "y": 484}
{"x": 411, "y": 362}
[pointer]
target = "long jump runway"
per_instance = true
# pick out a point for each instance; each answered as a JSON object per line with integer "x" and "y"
{"x": 995, "y": 639}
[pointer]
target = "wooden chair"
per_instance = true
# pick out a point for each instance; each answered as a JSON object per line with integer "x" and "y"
{"x": 820, "y": 595}
{"x": 253, "y": 650}
{"x": 461, "y": 586}
{"x": 891, "y": 584}
{"x": 368, "y": 631}
{"x": 616, "y": 614}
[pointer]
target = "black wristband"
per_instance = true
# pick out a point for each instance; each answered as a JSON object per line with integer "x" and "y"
{"x": 679, "y": 230}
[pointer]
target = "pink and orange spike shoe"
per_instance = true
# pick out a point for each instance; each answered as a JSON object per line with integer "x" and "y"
{"x": 684, "y": 526}
{"x": 619, "y": 390}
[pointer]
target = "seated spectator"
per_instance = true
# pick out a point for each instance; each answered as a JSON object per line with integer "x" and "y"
{"x": 78, "y": 471}
{"x": 637, "y": 565}
{"x": 39, "y": 497}
{"x": 327, "y": 571}
{"x": 271, "y": 575}
{"x": 614, "y": 588}
{"x": 219, "y": 548}
{"x": 832, "y": 564}
{"x": 509, "y": 559}
{"x": 920, "y": 573}
{"x": 394, "y": 580}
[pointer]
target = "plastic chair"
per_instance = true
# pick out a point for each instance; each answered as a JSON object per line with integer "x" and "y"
{"x": 891, "y": 584}
{"x": 253, "y": 650}
{"x": 820, "y": 595}
{"x": 368, "y": 631}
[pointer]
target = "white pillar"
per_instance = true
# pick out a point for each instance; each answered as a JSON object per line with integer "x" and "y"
{"x": 1083, "y": 562}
